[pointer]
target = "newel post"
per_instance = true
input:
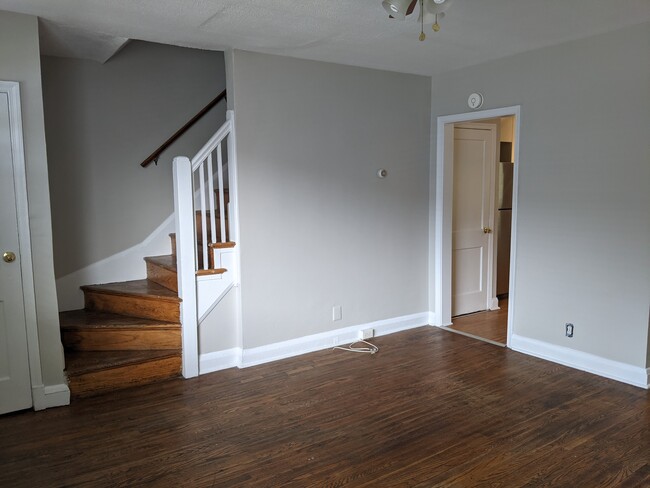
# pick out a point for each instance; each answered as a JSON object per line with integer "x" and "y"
{"x": 185, "y": 263}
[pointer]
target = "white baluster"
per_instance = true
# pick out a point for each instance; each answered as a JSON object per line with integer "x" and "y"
{"x": 204, "y": 222}
{"x": 213, "y": 217}
{"x": 222, "y": 206}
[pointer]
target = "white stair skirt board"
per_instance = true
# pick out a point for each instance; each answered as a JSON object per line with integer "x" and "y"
{"x": 625, "y": 373}
{"x": 211, "y": 289}
{"x": 124, "y": 266}
{"x": 50, "y": 396}
{"x": 236, "y": 357}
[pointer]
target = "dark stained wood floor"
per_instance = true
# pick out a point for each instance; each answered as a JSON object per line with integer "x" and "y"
{"x": 491, "y": 324}
{"x": 430, "y": 409}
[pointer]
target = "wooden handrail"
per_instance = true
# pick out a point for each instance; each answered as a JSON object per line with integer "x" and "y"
{"x": 153, "y": 158}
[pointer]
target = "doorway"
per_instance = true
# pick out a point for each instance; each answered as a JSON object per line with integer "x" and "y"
{"x": 473, "y": 243}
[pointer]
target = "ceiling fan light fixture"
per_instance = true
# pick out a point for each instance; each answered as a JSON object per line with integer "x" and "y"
{"x": 431, "y": 11}
{"x": 396, "y": 8}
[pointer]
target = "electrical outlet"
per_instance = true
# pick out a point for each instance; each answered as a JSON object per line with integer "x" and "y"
{"x": 568, "y": 329}
{"x": 366, "y": 334}
{"x": 336, "y": 313}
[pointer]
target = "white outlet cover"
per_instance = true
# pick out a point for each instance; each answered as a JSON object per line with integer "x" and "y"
{"x": 336, "y": 313}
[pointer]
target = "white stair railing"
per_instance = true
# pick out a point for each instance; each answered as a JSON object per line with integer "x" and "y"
{"x": 194, "y": 256}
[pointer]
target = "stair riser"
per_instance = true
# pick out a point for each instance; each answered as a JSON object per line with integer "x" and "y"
{"x": 125, "y": 376}
{"x": 134, "y": 306}
{"x": 122, "y": 339}
{"x": 162, "y": 276}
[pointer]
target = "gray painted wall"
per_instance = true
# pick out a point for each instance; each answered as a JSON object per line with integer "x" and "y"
{"x": 318, "y": 227}
{"x": 583, "y": 248}
{"x": 103, "y": 120}
{"x": 19, "y": 61}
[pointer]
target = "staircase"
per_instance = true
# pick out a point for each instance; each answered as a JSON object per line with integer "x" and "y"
{"x": 129, "y": 333}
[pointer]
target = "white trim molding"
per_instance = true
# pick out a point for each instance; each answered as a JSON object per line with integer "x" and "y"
{"x": 626, "y": 373}
{"x": 441, "y": 281}
{"x": 433, "y": 318}
{"x": 317, "y": 342}
{"x": 50, "y": 396}
{"x": 244, "y": 358}
{"x": 216, "y": 361}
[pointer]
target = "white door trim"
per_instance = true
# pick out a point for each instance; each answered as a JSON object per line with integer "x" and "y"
{"x": 12, "y": 89}
{"x": 443, "y": 215}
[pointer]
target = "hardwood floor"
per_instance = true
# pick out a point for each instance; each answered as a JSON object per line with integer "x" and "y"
{"x": 430, "y": 409}
{"x": 491, "y": 325}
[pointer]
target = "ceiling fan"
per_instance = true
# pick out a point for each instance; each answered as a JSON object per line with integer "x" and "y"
{"x": 431, "y": 11}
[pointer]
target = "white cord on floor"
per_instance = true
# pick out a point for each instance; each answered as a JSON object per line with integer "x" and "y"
{"x": 371, "y": 349}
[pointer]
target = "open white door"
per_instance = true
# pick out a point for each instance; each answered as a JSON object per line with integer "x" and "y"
{"x": 15, "y": 383}
{"x": 472, "y": 220}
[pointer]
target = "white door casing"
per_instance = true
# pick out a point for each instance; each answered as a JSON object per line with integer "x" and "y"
{"x": 440, "y": 280}
{"x": 15, "y": 381}
{"x": 474, "y": 171}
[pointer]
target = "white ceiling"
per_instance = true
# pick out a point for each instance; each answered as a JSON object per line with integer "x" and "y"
{"x": 356, "y": 32}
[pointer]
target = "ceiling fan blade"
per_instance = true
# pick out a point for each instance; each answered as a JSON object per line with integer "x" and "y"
{"x": 411, "y": 8}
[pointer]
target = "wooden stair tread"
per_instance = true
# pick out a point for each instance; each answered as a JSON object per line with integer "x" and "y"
{"x": 83, "y": 362}
{"x": 141, "y": 288}
{"x": 207, "y": 272}
{"x": 222, "y": 245}
{"x": 91, "y": 319}
{"x": 167, "y": 261}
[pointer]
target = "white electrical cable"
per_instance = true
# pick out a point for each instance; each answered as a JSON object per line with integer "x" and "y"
{"x": 371, "y": 349}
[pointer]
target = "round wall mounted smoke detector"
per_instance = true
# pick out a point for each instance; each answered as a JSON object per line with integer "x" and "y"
{"x": 475, "y": 101}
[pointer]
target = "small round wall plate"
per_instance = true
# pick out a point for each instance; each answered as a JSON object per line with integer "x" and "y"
{"x": 475, "y": 101}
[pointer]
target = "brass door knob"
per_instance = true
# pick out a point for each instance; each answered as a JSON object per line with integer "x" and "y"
{"x": 487, "y": 230}
{"x": 9, "y": 257}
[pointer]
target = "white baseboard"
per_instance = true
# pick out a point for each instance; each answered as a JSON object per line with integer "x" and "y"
{"x": 626, "y": 373}
{"x": 216, "y": 361}
{"x": 229, "y": 358}
{"x": 324, "y": 340}
{"x": 50, "y": 396}
{"x": 123, "y": 266}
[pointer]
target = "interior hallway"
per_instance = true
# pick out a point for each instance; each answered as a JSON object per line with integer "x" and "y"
{"x": 491, "y": 325}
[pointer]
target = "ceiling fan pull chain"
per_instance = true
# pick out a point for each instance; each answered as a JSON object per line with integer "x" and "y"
{"x": 436, "y": 25}
{"x": 422, "y": 36}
